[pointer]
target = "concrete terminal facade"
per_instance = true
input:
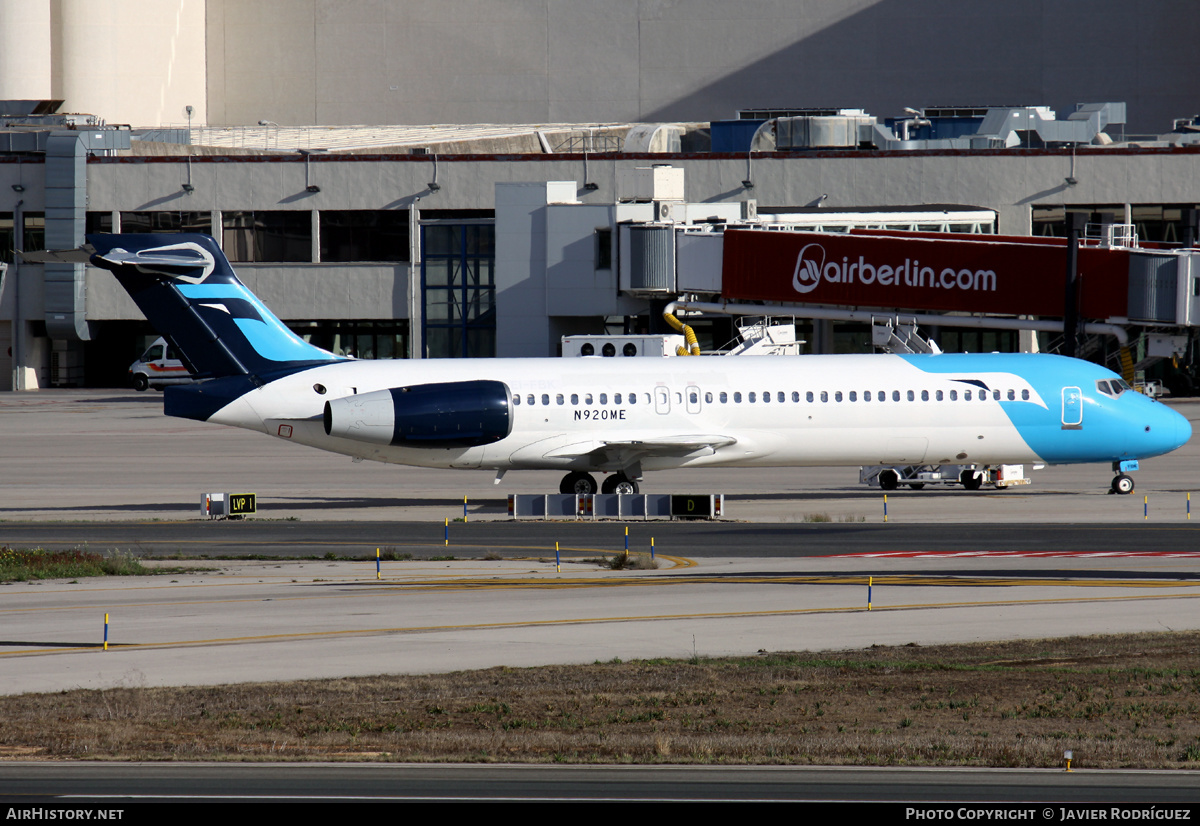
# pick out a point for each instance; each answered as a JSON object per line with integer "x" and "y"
{"x": 1014, "y": 183}
{"x": 142, "y": 62}
{"x": 436, "y": 246}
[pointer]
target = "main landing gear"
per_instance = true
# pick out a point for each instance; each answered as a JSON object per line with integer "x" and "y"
{"x": 579, "y": 482}
{"x": 619, "y": 483}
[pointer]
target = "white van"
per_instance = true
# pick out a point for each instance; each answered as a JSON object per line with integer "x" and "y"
{"x": 158, "y": 367}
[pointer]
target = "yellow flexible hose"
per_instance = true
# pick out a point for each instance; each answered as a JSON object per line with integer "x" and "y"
{"x": 689, "y": 336}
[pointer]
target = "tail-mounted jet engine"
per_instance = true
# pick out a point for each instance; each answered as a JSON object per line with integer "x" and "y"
{"x": 454, "y": 414}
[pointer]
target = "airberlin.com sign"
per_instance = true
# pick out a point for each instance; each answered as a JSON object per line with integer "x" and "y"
{"x": 992, "y": 276}
{"x": 812, "y": 268}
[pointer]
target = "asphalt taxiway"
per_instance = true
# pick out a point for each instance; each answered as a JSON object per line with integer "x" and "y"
{"x": 988, "y": 794}
{"x": 108, "y": 470}
{"x": 113, "y": 456}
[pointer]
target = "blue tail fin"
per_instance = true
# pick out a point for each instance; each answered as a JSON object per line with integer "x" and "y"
{"x": 186, "y": 288}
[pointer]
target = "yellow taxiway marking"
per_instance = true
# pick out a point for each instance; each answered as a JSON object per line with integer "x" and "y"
{"x": 312, "y": 635}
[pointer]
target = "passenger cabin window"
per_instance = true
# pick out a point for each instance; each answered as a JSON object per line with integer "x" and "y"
{"x": 911, "y": 396}
{"x": 737, "y": 398}
{"x": 546, "y": 398}
{"x": 574, "y": 398}
{"x": 837, "y": 397}
{"x": 516, "y": 398}
{"x": 616, "y": 398}
{"x": 724, "y": 397}
{"x": 1024, "y": 395}
{"x": 853, "y": 396}
{"x": 808, "y": 396}
{"x": 560, "y": 399}
{"x": 603, "y": 398}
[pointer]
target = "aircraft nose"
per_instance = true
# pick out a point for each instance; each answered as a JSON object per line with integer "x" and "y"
{"x": 1183, "y": 430}
{"x": 1169, "y": 430}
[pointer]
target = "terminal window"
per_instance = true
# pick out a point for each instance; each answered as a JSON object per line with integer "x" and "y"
{"x": 166, "y": 221}
{"x": 34, "y": 225}
{"x": 349, "y": 235}
{"x": 458, "y": 289}
{"x": 267, "y": 235}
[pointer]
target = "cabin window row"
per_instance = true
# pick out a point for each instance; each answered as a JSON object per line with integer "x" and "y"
{"x": 880, "y": 395}
{"x": 576, "y": 398}
{"x": 779, "y": 396}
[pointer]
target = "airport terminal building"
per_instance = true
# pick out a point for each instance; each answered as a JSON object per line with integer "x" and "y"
{"x": 589, "y": 179}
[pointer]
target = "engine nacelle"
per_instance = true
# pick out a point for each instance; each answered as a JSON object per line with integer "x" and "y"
{"x": 454, "y": 414}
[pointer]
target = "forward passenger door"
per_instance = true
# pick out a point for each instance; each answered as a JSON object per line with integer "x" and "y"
{"x": 1072, "y": 408}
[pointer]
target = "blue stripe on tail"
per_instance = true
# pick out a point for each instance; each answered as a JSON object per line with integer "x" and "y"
{"x": 184, "y": 285}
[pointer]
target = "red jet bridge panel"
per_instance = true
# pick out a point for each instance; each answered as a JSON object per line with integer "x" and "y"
{"x": 1004, "y": 275}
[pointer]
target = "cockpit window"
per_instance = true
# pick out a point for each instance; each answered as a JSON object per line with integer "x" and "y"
{"x": 1115, "y": 387}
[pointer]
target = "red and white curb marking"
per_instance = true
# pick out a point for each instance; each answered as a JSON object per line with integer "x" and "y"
{"x": 1010, "y": 554}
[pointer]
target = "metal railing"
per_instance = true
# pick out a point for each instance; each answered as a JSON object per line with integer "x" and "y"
{"x": 593, "y": 144}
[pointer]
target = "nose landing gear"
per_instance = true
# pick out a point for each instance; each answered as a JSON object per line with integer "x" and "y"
{"x": 1122, "y": 483}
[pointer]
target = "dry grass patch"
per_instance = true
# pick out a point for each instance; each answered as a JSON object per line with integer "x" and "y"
{"x": 1124, "y": 701}
{"x": 23, "y": 564}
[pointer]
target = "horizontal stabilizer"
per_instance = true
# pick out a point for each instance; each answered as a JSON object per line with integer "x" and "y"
{"x": 79, "y": 255}
{"x": 173, "y": 259}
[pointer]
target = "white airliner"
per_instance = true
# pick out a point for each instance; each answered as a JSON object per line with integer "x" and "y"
{"x": 624, "y": 417}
